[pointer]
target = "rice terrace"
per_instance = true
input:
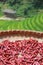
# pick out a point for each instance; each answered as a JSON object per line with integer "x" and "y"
{"x": 23, "y": 19}
{"x": 33, "y": 23}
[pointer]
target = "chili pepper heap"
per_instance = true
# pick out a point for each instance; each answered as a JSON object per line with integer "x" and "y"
{"x": 21, "y": 52}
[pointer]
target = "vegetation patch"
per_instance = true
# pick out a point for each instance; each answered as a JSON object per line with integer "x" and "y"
{"x": 33, "y": 23}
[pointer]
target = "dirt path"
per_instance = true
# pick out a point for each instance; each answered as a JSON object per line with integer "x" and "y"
{"x": 5, "y": 18}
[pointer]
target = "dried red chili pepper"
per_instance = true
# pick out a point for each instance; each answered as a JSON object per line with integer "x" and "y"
{"x": 21, "y": 52}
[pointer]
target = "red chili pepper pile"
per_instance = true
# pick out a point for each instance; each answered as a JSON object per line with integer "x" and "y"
{"x": 21, "y": 52}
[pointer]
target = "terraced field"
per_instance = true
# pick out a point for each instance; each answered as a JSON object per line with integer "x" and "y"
{"x": 33, "y": 23}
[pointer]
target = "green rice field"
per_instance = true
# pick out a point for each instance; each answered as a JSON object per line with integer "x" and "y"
{"x": 33, "y": 23}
